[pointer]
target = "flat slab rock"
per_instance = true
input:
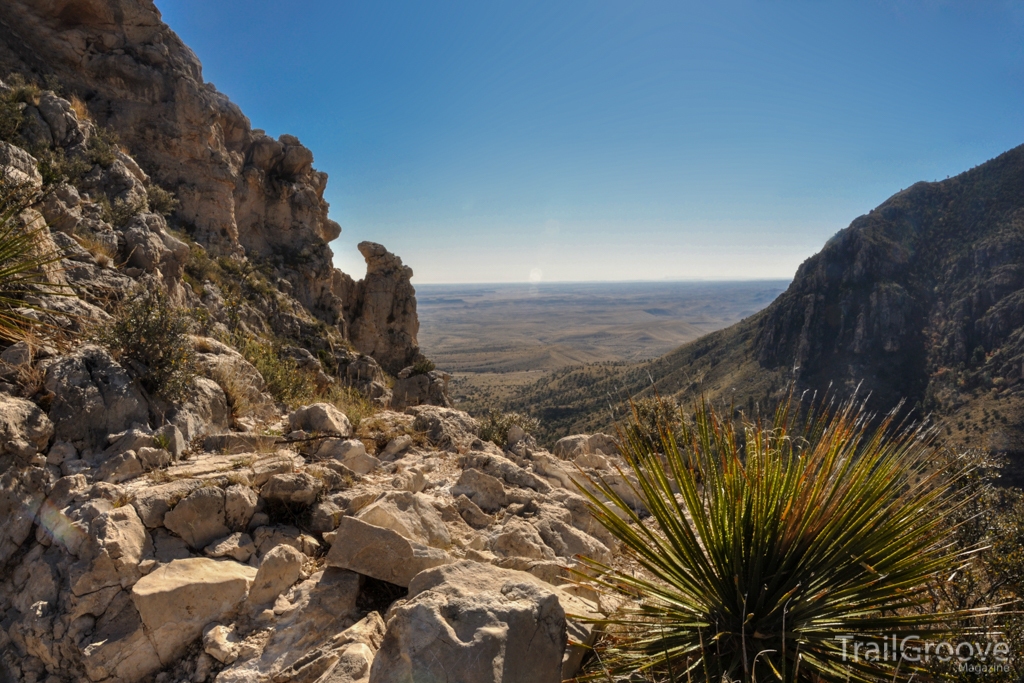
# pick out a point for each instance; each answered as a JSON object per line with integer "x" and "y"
{"x": 178, "y": 599}
{"x": 381, "y": 553}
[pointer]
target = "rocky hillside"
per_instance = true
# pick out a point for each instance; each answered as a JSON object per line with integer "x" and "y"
{"x": 221, "y": 458}
{"x": 240, "y": 193}
{"x": 921, "y": 300}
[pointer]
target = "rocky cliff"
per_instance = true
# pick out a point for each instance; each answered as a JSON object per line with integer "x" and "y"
{"x": 240, "y": 192}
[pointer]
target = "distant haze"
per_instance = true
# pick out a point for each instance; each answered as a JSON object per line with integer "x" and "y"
{"x": 603, "y": 140}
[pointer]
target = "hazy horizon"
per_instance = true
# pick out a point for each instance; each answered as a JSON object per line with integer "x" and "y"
{"x": 605, "y": 141}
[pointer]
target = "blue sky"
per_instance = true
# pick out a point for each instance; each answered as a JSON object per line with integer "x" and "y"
{"x": 594, "y": 140}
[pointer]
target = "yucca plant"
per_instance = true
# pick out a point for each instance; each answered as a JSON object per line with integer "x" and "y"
{"x": 769, "y": 546}
{"x": 23, "y": 262}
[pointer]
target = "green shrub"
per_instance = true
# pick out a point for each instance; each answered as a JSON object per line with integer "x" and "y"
{"x": 287, "y": 383}
{"x": 10, "y": 117}
{"x": 161, "y": 201}
{"x": 56, "y": 167}
{"x": 102, "y": 146}
{"x": 23, "y": 263}
{"x": 151, "y": 338}
{"x": 122, "y": 211}
{"x": 423, "y": 366}
{"x": 495, "y": 425}
{"x": 768, "y": 543}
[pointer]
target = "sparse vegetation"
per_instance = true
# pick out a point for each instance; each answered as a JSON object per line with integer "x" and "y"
{"x": 495, "y": 425}
{"x": 422, "y": 366}
{"x": 161, "y": 201}
{"x": 56, "y": 167}
{"x": 102, "y": 146}
{"x": 122, "y": 211}
{"x": 23, "y": 263}
{"x": 295, "y": 386}
{"x": 151, "y": 337}
{"x": 768, "y": 542}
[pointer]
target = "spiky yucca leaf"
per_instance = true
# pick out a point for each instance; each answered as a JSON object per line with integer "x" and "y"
{"x": 23, "y": 262}
{"x": 767, "y": 544}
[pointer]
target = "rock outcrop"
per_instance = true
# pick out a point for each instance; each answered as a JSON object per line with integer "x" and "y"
{"x": 240, "y": 193}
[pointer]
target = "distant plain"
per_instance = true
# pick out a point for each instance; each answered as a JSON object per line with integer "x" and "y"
{"x": 496, "y": 337}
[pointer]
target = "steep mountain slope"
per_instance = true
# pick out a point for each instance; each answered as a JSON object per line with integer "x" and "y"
{"x": 921, "y": 299}
{"x": 242, "y": 194}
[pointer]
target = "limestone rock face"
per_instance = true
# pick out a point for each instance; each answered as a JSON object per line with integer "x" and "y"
{"x": 245, "y": 193}
{"x": 93, "y": 397}
{"x": 177, "y": 600}
{"x": 473, "y": 622}
{"x": 382, "y": 310}
{"x": 24, "y": 429}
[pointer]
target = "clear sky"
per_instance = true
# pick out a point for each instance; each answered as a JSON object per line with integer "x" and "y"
{"x": 488, "y": 141}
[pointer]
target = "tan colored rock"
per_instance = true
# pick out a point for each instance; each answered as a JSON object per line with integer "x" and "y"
{"x": 410, "y": 515}
{"x": 153, "y": 502}
{"x": 117, "y": 541}
{"x": 568, "y": 447}
{"x": 518, "y": 538}
{"x": 386, "y": 325}
{"x": 239, "y": 506}
{"x": 312, "y": 622}
{"x": 474, "y": 622}
{"x": 24, "y": 429}
{"x": 199, "y": 517}
{"x": 177, "y": 600}
{"x": 279, "y": 569}
{"x": 293, "y": 488}
{"x": 322, "y": 418}
{"x": 242, "y": 383}
{"x": 486, "y": 491}
{"x": 238, "y": 546}
{"x": 119, "y": 647}
{"x": 381, "y": 553}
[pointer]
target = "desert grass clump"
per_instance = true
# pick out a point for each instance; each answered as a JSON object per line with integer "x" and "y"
{"x": 24, "y": 261}
{"x": 495, "y": 425}
{"x": 768, "y": 544}
{"x": 152, "y": 338}
{"x": 294, "y": 386}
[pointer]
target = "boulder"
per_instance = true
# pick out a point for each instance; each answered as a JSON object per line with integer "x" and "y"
{"x": 93, "y": 396}
{"x": 111, "y": 555}
{"x": 22, "y": 491}
{"x": 474, "y": 622}
{"x": 381, "y": 553}
{"x": 518, "y": 538}
{"x": 409, "y": 514}
{"x": 205, "y": 411}
{"x": 429, "y": 388}
{"x": 279, "y": 569}
{"x": 199, "y": 517}
{"x": 568, "y": 541}
{"x": 472, "y": 514}
{"x": 153, "y": 502}
{"x": 322, "y": 418}
{"x": 313, "y": 624}
{"x": 568, "y": 447}
{"x": 121, "y": 467}
{"x": 24, "y": 429}
{"x": 483, "y": 489}
{"x": 293, "y": 488}
{"x": 118, "y": 647}
{"x": 238, "y": 546}
{"x": 177, "y": 600}
{"x": 242, "y": 383}
{"x": 239, "y": 506}
{"x": 446, "y": 428}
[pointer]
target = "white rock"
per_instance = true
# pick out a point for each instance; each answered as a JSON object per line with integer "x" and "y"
{"x": 177, "y": 600}
{"x": 381, "y": 553}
